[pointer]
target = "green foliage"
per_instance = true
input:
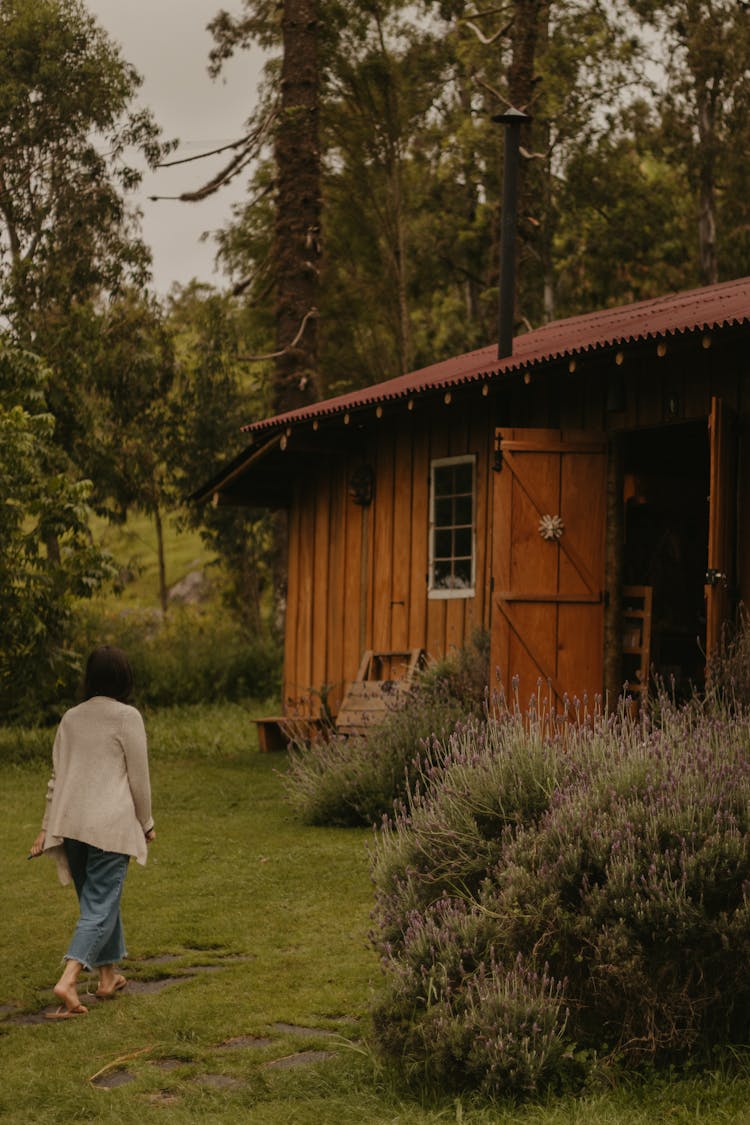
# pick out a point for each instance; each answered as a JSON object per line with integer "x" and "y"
{"x": 72, "y": 266}
{"x": 213, "y": 397}
{"x": 703, "y": 94}
{"x": 635, "y": 152}
{"x": 19, "y": 745}
{"x": 621, "y": 193}
{"x": 131, "y": 377}
{"x": 613, "y": 861}
{"x": 355, "y": 781}
{"x": 190, "y": 656}
{"x": 65, "y": 128}
{"x": 46, "y": 558}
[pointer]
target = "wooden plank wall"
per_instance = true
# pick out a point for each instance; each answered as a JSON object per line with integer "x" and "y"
{"x": 357, "y": 577}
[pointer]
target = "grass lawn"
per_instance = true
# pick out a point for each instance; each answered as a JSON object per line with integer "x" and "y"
{"x": 264, "y": 924}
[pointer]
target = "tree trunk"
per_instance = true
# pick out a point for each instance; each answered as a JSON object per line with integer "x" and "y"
{"x": 163, "y": 595}
{"x": 709, "y": 263}
{"x": 298, "y": 209}
{"x": 529, "y": 27}
{"x": 471, "y": 285}
{"x": 405, "y": 346}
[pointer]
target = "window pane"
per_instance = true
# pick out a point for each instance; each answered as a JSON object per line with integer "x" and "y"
{"x": 441, "y": 575}
{"x": 444, "y": 512}
{"x": 443, "y": 480}
{"x": 463, "y": 510}
{"x": 452, "y": 532}
{"x": 463, "y": 475}
{"x": 462, "y": 573}
{"x": 462, "y": 542}
{"x": 443, "y": 544}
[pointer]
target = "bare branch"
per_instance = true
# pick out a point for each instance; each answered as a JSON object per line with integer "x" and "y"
{"x": 532, "y": 155}
{"x": 203, "y": 155}
{"x": 313, "y": 312}
{"x": 486, "y": 12}
{"x": 251, "y": 146}
{"x": 491, "y": 90}
{"x": 488, "y": 39}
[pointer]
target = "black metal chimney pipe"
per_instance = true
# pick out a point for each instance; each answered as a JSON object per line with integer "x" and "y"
{"x": 512, "y": 119}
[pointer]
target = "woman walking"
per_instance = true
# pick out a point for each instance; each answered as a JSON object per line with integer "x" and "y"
{"x": 98, "y": 815}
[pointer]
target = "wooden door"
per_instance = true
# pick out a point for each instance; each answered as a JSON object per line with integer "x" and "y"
{"x": 722, "y": 521}
{"x": 547, "y": 623}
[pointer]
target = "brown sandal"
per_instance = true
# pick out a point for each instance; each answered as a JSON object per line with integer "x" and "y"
{"x": 64, "y": 1013}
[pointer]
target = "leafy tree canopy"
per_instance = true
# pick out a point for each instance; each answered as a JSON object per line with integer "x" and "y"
{"x": 47, "y": 559}
{"x": 66, "y": 128}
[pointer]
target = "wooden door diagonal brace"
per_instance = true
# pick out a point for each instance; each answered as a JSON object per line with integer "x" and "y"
{"x": 570, "y": 553}
{"x": 514, "y": 625}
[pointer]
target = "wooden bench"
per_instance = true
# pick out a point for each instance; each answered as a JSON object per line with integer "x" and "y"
{"x": 381, "y": 679}
{"x": 277, "y": 731}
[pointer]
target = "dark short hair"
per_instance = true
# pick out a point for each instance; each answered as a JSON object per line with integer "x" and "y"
{"x": 108, "y": 672}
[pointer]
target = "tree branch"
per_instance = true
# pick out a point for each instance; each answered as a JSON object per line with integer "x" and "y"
{"x": 251, "y": 146}
{"x": 203, "y": 155}
{"x": 488, "y": 39}
{"x": 227, "y": 173}
{"x": 289, "y": 347}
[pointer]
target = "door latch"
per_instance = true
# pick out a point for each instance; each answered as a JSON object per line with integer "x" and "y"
{"x": 716, "y": 578}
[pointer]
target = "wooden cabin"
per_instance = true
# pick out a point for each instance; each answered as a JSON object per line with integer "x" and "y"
{"x": 585, "y": 500}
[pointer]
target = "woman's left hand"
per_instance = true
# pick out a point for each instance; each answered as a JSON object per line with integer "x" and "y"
{"x": 150, "y": 835}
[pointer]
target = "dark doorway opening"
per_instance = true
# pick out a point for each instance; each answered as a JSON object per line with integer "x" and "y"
{"x": 666, "y": 486}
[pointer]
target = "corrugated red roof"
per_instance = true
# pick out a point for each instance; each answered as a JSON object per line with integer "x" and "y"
{"x": 715, "y": 306}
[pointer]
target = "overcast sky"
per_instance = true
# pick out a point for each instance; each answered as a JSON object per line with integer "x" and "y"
{"x": 167, "y": 42}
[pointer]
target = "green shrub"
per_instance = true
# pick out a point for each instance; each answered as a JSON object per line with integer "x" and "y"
{"x": 219, "y": 731}
{"x": 355, "y": 781}
{"x": 189, "y": 656}
{"x": 615, "y": 863}
{"x": 25, "y": 744}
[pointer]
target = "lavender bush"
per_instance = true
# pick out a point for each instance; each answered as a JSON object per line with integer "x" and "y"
{"x": 729, "y": 667}
{"x": 541, "y": 901}
{"x": 354, "y": 781}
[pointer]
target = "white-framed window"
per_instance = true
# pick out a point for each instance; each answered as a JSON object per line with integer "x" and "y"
{"x": 452, "y": 571}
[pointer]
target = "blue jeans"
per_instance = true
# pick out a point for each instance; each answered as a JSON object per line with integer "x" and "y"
{"x": 98, "y": 877}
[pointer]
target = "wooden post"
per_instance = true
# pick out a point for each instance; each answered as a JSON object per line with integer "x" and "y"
{"x": 364, "y": 576}
{"x": 613, "y": 573}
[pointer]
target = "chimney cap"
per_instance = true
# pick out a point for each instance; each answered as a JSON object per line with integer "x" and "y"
{"x": 511, "y": 117}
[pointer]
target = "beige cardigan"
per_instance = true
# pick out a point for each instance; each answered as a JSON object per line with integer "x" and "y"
{"x": 99, "y": 791}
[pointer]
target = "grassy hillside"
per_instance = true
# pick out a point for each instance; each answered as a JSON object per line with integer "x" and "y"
{"x": 133, "y": 545}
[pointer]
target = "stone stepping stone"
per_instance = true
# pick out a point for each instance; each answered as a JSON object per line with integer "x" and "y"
{"x": 237, "y": 1042}
{"x": 146, "y": 987}
{"x": 160, "y": 959}
{"x": 25, "y": 1018}
{"x": 308, "y": 1032}
{"x": 164, "y": 1097}
{"x": 113, "y": 1079}
{"x": 301, "y": 1058}
{"x": 221, "y": 1081}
